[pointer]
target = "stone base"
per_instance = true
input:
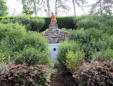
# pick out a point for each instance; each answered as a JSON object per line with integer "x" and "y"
{"x": 53, "y": 26}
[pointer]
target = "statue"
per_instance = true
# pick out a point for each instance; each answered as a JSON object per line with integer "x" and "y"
{"x": 53, "y": 19}
{"x": 53, "y": 22}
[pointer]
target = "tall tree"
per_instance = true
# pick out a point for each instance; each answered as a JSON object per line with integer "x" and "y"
{"x": 27, "y": 7}
{"x": 3, "y": 8}
{"x": 31, "y": 6}
{"x": 79, "y": 3}
{"x": 34, "y": 6}
{"x": 47, "y": 9}
{"x": 56, "y": 2}
{"x": 102, "y": 6}
{"x": 61, "y": 5}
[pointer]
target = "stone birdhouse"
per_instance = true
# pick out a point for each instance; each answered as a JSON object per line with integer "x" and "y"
{"x": 54, "y": 36}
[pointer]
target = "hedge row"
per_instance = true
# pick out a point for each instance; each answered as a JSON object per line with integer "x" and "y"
{"x": 39, "y": 24}
{"x": 30, "y": 23}
{"x": 68, "y": 22}
{"x": 63, "y": 22}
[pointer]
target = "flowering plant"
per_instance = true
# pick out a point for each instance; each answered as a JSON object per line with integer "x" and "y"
{"x": 23, "y": 75}
{"x": 95, "y": 74}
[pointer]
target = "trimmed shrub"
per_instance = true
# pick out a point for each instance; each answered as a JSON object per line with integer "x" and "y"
{"x": 94, "y": 74}
{"x": 64, "y": 48}
{"x": 39, "y": 24}
{"x": 31, "y": 23}
{"x": 74, "y": 60}
{"x": 66, "y": 22}
{"x": 23, "y": 75}
{"x": 63, "y": 22}
{"x": 18, "y": 45}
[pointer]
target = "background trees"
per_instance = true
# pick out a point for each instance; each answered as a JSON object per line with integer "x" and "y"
{"x": 31, "y": 6}
{"x": 102, "y": 7}
{"x": 63, "y": 7}
{"x": 79, "y": 3}
{"x": 3, "y": 8}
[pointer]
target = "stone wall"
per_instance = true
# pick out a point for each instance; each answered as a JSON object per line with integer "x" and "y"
{"x": 55, "y": 35}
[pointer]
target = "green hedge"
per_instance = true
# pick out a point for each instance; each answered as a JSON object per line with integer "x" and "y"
{"x": 20, "y": 46}
{"x": 31, "y": 23}
{"x": 103, "y": 22}
{"x": 38, "y": 23}
{"x": 69, "y": 22}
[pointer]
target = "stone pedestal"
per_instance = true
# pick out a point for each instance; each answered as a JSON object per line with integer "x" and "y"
{"x": 55, "y": 35}
{"x": 53, "y": 26}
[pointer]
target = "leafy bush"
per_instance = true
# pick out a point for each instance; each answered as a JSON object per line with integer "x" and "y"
{"x": 107, "y": 26}
{"x": 16, "y": 44}
{"x": 31, "y": 23}
{"x": 95, "y": 74}
{"x": 22, "y": 75}
{"x": 64, "y": 48}
{"x": 104, "y": 55}
{"x": 85, "y": 36}
{"x": 91, "y": 41}
{"x": 88, "y": 23}
{"x": 77, "y": 35}
{"x": 74, "y": 60}
{"x": 31, "y": 56}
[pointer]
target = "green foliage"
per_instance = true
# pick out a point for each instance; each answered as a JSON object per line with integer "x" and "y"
{"x": 107, "y": 26}
{"x": 103, "y": 22}
{"x": 104, "y": 55}
{"x": 91, "y": 40}
{"x": 63, "y": 22}
{"x": 74, "y": 60}
{"x": 94, "y": 74}
{"x": 66, "y": 22}
{"x": 40, "y": 24}
{"x": 64, "y": 48}
{"x": 31, "y": 23}
{"x": 3, "y": 8}
{"x": 32, "y": 56}
{"x": 88, "y": 23}
{"x": 23, "y": 75}
{"x": 101, "y": 7}
{"x": 18, "y": 45}
{"x": 27, "y": 10}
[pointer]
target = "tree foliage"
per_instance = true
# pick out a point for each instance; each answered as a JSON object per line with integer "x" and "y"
{"x": 3, "y": 8}
{"x": 79, "y": 3}
{"x": 31, "y": 6}
{"x": 102, "y": 7}
{"x": 61, "y": 6}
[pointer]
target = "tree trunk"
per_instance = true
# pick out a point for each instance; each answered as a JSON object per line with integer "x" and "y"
{"x": 48, "y": 7}
{"x": 23, "y": 4}
{"x": 101, "y": 7}
{"x": 74, "y": 7}
{"x": 35, "y": 10}
{"x": 56, "y": 13}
